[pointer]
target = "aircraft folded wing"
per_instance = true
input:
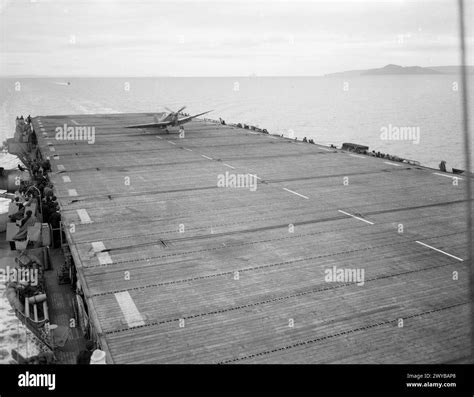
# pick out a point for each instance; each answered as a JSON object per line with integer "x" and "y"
{"x": 186, "y": 119}
{"x": 149, "y": 125}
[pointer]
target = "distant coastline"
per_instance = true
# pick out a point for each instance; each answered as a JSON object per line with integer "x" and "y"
{"x": 392, "y": 69}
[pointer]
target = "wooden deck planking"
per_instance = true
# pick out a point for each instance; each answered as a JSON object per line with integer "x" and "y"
{"x": 235, "y": 229}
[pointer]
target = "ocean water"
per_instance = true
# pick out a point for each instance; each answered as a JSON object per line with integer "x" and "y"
{"x": 328, "y": 110}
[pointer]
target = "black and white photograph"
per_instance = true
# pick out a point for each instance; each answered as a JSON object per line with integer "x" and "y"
{"x": 199, "y": 184}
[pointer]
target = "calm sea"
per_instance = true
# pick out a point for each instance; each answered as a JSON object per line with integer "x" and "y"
{"x": 329, "y": 110}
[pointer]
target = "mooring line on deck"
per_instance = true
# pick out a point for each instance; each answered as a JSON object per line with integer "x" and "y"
{"x": 321, "y": 288}
{"x": 102, "y": 255}
{"x": 257, "y": 268}
{"x": 177, "y": 254}
{"x": 443, "y": 252}
{"x": 347, "y": 332}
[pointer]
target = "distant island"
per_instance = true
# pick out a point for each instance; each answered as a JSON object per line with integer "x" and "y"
{"x": 392, "y": 69}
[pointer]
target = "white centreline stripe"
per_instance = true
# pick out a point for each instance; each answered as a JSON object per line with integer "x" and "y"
{"x": 159, "y": 137}
{"x": 346, "y": 213}
{"x": 61, "y": 167}
{"x": 227, "y": 165}
{"x": 42, "y": 129}
{"x": 75, "y": 122}
{"x": 66, "y": 179}
{"x": 356, "y": 155}
{"x": 83, "y": 216}
{"x": 448, "y": 176}
{"x": 56, "y": 157}
{"x": 171, "y": 142}
{"x": 206, "y": 157}
{"x": 72, "y": 192}
{"x": 103, "y": 257}
{"x": 291, "y": 191}
{"x": 129, "y": 309}
{"x": 389, "y": 163}
{"x": 98, "y": 246}
{"x": 436, "y": 249}
{"x": 52, "y": 149}
{"x": 189, "y": 150}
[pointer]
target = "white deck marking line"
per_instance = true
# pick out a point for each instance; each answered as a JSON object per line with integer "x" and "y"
{"x": 42, "y": 129}
{"x": 66, "y": 179}
{"x": 83, "y": 216}
{"x": 171, "y": 142}
{"x": 129, "y": 309}
{"x": 52, "y": 149}
{"x": 448, "y": 175}
{"x": 356, "y": 155}
{"x": 55, "y": 156}
{"x": 72, "y": 192}
{"x": 75, "y": 122}
{"x": 436, "y": 249}
{"x": 189, "y": 150}
{"x": 291, "y": 191}
{"x": 356, "y": 217}
{"x": 159, "y": 137}
{"x": 103, "y": 257}
{"x": 206, "y": 157}
{"x": 227, "y": 165}
{"x": 389, "y": 163}
{"x": 61, "y": 167}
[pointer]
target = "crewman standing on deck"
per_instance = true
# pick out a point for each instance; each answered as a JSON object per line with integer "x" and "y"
{"x": 442, "y": 166}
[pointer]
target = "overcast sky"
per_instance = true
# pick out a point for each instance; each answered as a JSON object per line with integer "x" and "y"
{"x": 224, "y": 38}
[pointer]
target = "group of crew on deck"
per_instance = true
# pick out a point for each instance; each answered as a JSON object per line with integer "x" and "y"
{"x": 34, "y": 199}
{"x": 24, "y": 131}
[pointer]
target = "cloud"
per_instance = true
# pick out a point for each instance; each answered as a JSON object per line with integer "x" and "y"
{"x": 323, "y": 35}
